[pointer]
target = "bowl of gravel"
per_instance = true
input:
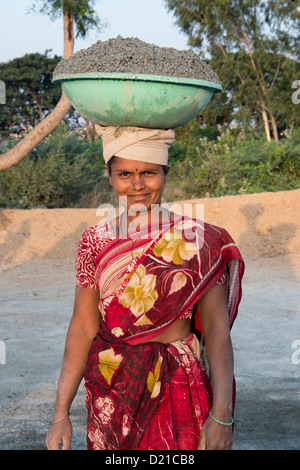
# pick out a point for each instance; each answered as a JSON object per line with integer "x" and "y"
{"x": 127, "y": 82}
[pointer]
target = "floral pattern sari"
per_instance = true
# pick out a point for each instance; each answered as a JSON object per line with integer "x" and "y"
{"x": 150, "y": 395}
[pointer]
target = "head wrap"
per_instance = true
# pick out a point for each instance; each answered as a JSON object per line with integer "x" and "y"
{"x": 136, "y": 143}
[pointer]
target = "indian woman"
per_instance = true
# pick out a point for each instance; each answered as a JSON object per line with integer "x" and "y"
{"x": 156, "y": 296}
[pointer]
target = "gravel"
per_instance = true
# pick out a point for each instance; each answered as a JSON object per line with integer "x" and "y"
{"x": 130, "y": 55}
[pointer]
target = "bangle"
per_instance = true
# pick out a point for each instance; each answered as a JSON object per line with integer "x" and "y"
{"x": 221, "y": 422}
{"x": 60, "y": 419}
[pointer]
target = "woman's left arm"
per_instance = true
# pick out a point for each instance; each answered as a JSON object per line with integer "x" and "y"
{"x": 216, "y": 330}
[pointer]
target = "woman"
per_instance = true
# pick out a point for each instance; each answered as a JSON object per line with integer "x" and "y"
{"x": 150, "y": 383}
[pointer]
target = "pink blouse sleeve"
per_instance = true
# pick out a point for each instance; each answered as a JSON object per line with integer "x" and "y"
{"x": 92, "y": 241}
{"x": 85, "y": 262}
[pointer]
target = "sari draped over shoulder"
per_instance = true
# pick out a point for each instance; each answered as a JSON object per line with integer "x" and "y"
{"x": 150, "y": 395}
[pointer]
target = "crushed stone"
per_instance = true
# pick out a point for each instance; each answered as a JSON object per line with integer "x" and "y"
{"x": 131, "y": 55}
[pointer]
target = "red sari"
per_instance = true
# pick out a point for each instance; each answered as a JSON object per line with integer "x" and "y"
{"x": 150, "y": 395}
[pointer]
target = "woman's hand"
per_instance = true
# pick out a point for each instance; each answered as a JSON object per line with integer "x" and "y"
{"x": 83, "y": 328}
{"x": 215, "y": 436}
{"x": 60, "y": 432}
{"x": 216, "y": 331}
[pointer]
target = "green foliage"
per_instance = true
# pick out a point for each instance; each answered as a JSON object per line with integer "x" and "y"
{"x": 65, "y": 170}
{"x": 234, "y": 163}
{"x": 30, "y": 93}
{"x": 83, "y": 12}
{"x": 253, "y": 45}
{"x": 231, "y": 22}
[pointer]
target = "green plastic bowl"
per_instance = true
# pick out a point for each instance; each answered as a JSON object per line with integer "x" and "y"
{"x": 122, "y": 99}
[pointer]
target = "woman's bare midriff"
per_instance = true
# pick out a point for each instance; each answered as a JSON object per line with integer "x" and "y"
{"x": 179, "y": 330}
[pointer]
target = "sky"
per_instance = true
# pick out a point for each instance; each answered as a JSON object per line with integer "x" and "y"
{"x": 148, "y": 20}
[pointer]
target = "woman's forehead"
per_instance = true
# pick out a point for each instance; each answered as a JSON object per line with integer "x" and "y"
{"x": 132, "y": 165}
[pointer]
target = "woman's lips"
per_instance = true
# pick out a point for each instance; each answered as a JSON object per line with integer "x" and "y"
{"x": 138, "y": 197}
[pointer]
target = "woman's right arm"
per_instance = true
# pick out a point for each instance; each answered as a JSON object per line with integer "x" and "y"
{"x": 83, "y": 328}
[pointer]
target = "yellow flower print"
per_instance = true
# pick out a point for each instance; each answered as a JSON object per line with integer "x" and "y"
{"x": 172, "y": 247}
{"x": 117, "y": 331}
{"x": 108, "y": 363}
{"x": 152, "y": 383}
{"x": 140, "y": 294}
{"x": 179, "y": 281}
{"x": 159, "y": 247}
{"x": 143, "y": 320}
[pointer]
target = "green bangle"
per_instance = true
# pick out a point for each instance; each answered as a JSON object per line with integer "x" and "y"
{"x": 220, "y": 422}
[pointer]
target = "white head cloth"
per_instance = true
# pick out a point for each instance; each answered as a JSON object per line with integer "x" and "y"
{"x": 136, "y": 143}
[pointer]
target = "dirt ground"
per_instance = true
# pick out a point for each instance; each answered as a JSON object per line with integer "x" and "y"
{"x": 37, "y": 251}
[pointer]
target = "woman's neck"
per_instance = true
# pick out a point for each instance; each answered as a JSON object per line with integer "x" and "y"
{"x": 129, "y": 222}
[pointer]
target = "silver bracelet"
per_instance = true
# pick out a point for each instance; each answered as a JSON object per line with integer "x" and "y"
{"x": 221, "y": 422}
{"x": 60, "y": 419}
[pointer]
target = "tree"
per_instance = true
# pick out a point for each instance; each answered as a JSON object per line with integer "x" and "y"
{"x": 30, "y": 94}
{"x": 238, "y": 35}
{"x": 244, "y": 90}
{"x": 82, "y": 14}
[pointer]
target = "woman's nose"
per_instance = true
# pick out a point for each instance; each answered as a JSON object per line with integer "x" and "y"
{"x": 137, "y": 183}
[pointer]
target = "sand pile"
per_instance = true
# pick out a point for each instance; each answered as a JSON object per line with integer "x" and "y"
{"x": 263, "y": 225}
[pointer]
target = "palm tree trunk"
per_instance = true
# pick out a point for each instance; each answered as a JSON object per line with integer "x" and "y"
{"x": 36, "y": 135}
{"x": 47, "y": 125}
{"x": 274, "y": 128}
{"x": 68, "y": 20}
{"x": 266, "y": 124}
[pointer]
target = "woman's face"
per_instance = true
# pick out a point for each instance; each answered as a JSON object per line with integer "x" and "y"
{"x": 140, "y": 184}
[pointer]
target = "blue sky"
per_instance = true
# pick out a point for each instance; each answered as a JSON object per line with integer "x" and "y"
{"x": 148, "y": 20}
